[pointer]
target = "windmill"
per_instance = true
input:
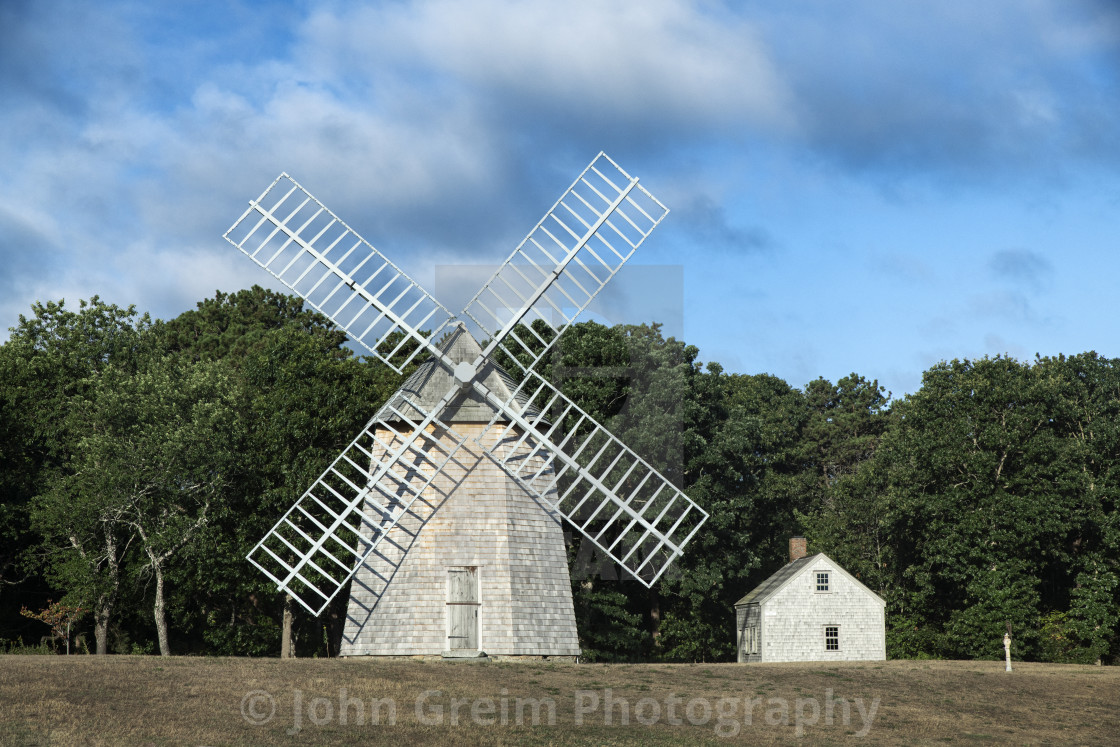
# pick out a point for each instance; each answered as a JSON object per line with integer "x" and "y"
{"x": 372, "y": 507}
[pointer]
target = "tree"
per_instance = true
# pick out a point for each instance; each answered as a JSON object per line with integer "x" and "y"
{"x": 743, "y": 467}
{"x": 305, "y": 397}
{"x": 1084, "y": 592}
{"x": 85, "y": 545}
{"x": 987, "y": 493}
{"x": 158, "y": 451}
{"x": 135, "y": 400}
{"x": 18, "y": 470}
{"x": 60, "y": 617}
{"x": 846, "y": 422}
{"x": 57, "y": 355}
{"x": 234, "y": 325}
{"x": 308, "y": 406}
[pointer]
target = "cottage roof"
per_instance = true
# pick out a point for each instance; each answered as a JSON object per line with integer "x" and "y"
{"x": 766, "y": 589}
{"x": 787, "y": 573}
{"x": 423, "y": 390}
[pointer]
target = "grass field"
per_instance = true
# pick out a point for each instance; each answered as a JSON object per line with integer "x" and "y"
{"x": 122, "y": 700}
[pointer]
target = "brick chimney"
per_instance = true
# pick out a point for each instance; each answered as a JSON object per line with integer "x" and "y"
{"x": 798, "y": 548}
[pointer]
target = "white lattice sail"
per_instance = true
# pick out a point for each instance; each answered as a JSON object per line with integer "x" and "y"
{"x": 612, "y": 496}
{"x": 376, "y": 488}
{"x": 560, "y": 267}
{"x": 324, "y": 261}
{"x": 370, "y": 489}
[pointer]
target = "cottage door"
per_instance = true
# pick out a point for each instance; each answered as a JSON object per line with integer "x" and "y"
{"x": 462, "y": 608}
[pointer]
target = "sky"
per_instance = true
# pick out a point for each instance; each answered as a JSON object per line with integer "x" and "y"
{"x": 868, "y": 187}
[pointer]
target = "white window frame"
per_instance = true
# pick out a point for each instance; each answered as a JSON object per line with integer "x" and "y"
{"x": 827, "y": 582}
{"x": 825, "y": 629}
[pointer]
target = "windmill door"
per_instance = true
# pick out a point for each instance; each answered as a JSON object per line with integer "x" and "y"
{"x": 462, "y": 608}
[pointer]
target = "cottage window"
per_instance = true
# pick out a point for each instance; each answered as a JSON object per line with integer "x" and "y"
{"x": 822, "y": 580}
{"x": 831, "y": 637}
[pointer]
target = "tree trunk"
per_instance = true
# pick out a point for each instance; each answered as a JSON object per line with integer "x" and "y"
{"x": 159, "y": 612}
{"x": 655, "y": 617}
{"x": 335, "y": 623}
{"x": 104, "y": 606}
{"x": 155, "y": 562}
{"x": 286, "y": 635}
{"x": 101, "y": 628}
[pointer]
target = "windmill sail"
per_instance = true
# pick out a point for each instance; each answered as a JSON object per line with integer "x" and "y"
{"x": 314, "y": 253}
{"x": 375, "y": 486}
{"x": 568, "y": 257}
{"x": 612, "y": 496}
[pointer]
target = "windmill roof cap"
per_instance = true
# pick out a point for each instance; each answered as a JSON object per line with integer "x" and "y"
{"x": 423, "y": 390}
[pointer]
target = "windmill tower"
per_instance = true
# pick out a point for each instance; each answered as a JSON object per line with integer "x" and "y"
{"x": 396, "y": 503}
{"x": 480, "y": 564}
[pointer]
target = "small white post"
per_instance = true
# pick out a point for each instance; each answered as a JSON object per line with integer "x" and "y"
{"x": 1007, "y": 650}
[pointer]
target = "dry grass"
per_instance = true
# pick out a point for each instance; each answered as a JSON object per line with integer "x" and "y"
{"x": 148, "y": 700}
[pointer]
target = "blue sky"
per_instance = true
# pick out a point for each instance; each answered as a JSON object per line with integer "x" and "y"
{"x": 861, "y": 186}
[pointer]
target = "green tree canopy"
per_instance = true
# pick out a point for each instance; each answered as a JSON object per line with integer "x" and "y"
{"x": 140, "y": 461}
{"x": 996, "y": 503}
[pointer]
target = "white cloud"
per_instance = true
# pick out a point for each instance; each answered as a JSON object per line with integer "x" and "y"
{"x": 669, "y": 59}
{"x": 442, "y": 130}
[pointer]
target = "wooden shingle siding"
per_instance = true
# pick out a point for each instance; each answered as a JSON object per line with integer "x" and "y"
{"x": 474, "y": 516}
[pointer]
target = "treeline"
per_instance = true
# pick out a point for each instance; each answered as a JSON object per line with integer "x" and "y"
{"x": 140, "y": 460}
